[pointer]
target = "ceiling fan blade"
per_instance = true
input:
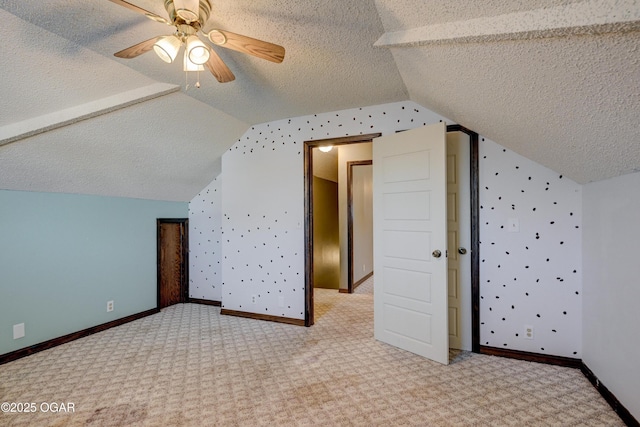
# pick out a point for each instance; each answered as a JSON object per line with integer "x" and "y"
{"x": 138, "y": 49}
{"x": 148, "y": 14}
{"x": 218, "y": 68}
{"x": 261, "y": 49}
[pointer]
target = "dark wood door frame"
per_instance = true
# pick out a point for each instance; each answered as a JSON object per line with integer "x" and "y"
{"x": 184, "y": 285}
{"x": 350, "y": 165}
{"x": 475, "y": 222}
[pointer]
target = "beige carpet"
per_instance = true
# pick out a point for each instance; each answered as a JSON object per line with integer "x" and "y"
{"x": 190, "y": 366}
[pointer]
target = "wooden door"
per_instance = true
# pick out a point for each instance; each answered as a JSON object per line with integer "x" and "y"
{"x": 410, "y": 241}
{"x": 172, "y": 262}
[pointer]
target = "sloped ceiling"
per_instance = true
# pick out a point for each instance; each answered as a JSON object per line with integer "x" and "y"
{"x": 556, "y": 81}
{"x": 122, "y": 134}
{"x": 75, "y": 119}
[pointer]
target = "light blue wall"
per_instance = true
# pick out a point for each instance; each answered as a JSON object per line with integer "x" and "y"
{"x": 63, "y": 256}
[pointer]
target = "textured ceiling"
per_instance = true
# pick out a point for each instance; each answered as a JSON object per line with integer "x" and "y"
{"x": 566, "y": 94}
{"x": 554, "y": 80}
{"x": 330, "y": 60}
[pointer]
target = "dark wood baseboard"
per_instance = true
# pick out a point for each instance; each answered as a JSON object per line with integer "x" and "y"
{"x": 204, "y": 302}
{"x": 288, "y": 320}
{"x": 361, "y": 281}
{"x": 532, "y": 357}
{"x": 613, "y": 401}
{"x": 23, "y": 352}
{"x": 355, "y": 285}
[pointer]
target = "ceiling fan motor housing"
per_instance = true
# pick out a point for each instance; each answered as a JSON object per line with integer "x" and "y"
{"x": 203, "y": 13}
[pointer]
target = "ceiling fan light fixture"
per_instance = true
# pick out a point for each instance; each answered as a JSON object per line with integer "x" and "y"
{"x": 197, "y": 51}
{"x": 167, "y": 48}
{"x": 190, "y": 66}
{"x": 189, "y": 10}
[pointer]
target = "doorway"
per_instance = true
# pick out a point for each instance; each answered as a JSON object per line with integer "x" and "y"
{"x": 173, "y": 260}
{"x": 467, "y": 308}
{"x": 309, "y": 148}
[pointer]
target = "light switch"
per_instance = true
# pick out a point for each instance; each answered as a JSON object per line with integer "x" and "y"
{"x": 513, "y": 225}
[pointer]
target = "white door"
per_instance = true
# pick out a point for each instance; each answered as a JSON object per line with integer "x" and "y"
{"x": 459, "y": 243}
{"x": 410, "y": 241}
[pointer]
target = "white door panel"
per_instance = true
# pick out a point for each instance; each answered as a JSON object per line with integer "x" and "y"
{"x": 400, "y": 326}
{"x": 454, "y": 329}
{"x": 406, "y": 167}
{"x": 408, "y": 283}
{"x": 409, "y": 205}
{"x": 410, "y": 222}
{"x": 407, "y": 244}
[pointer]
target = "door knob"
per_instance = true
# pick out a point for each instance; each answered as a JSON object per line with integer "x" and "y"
{"x": 436, "y": 253}
{"x": 462, "y": 251}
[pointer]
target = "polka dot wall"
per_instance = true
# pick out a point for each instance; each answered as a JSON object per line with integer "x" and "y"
{"x": 205, "y": 249}
{"x": 530, "y": 277}
{"x": 530, "y": 255}
{"x": 263, "y": 203}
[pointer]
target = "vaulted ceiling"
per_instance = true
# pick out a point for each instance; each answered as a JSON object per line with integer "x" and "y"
{"x": 557, "y": 81}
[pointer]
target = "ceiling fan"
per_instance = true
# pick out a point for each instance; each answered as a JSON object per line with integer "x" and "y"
{"x": 189, "y": 18}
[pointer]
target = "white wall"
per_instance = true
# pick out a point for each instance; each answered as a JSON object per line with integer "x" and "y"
{"x": 531, "y": 277}
{"x": 362, "y": 193}
{"x": 205, "y": 249}
{"x": 610, "y": 315}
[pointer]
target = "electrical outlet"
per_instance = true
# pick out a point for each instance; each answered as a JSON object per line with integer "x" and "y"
{"x": 18, "y": 331}
{"x": 364, "y": 268}
{"x": 253, "y": 299}
{"x": 109, "y": 306}
{"x": 528, "y": 332}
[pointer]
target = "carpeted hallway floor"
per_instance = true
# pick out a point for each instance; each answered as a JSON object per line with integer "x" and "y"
{"x": 190, "y": 366}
